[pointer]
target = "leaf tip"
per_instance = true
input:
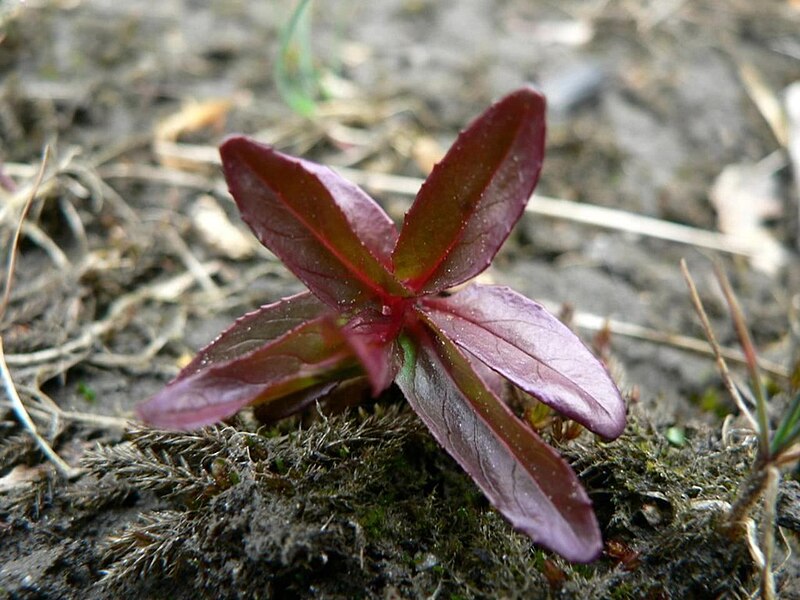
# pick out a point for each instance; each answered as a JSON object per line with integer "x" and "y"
{"x": 181, "y": 406}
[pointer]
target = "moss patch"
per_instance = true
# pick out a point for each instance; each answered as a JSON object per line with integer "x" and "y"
{"x": 366, "y": 504}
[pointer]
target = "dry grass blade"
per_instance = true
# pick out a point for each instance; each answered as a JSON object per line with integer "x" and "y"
{"x": 168, "y": 176}
{"x": 193, "y": 264}
{"x": 620, "y": 220}
{"x": 45, "y": 407}
{"x": 768, "y": 534}
{"x": 12, "y": 254}
{"x": 64, "y": 469}
{"x": 34, "y": 233}
{"x": 592, "y": 322}
{"x": 765, "y": 100}
{"x": 712, "y": 340}
{"x": 751, "y": 361}
{"x": 8, "y": 383}
{"x": 47, "y": 183}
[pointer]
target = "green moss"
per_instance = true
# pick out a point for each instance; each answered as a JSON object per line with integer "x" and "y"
{"x": 394, "y": 511}
{"x": 374, "y": 521}
{"x": 711, "y": 401}
{"x": 624, "y": 591}
{"x": 87, "y": 392}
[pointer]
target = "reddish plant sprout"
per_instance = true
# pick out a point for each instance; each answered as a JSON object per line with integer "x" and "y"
{"x": 378, "y": 308}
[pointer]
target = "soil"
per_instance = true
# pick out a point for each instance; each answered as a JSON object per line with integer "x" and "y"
{"x": 117, "y": 282}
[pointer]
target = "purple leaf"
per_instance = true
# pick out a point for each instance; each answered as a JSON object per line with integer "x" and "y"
{"x": 372, "y": 337}
{"x": 524, "y": 478}
{"x": 519, "y": 339}
{"x": 256, "y": 329}
{"x": 305, "y": 356}
{"x": 333, "y": 236}
{"x": 286, "y": 406}
{"x": 373, "y": 316}
{"x": 469, "y": 203}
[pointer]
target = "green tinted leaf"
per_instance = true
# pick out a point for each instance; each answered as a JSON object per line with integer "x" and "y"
{"x": 788, "y": 430}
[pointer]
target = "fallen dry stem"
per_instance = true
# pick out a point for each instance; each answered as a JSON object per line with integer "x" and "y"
{"x": 153, "y": 174}
{"x": 44, "y": 185}
{"x": 75, "y": 224}
{"x": 35, "y": 234}
{"x": 46, "y": 407}
{"x": 764, "y": 98}
{"x": 592, "y": 322}
{"x": 192, "y": 263}
{"x": 577, "y": 212}
{"x": 580, "y": 212}
{"x": 146, "y": 355}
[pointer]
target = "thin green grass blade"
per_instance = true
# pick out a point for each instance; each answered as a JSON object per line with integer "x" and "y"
{"x": 295, "y": 76}
{"x": 788, "y": 429}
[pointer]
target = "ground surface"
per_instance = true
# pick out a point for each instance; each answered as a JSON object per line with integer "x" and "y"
{"x": 118, "y": 282}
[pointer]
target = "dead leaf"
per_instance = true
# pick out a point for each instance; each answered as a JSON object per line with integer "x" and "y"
{"x": 216, "y": 229}
{"x": 426, "y": 152}
{"x": 191, "y": 117}
{"x": 745, "y": 195}
{"x": 765, "y": 100}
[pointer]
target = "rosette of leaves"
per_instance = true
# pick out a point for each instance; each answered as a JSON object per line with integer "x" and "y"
{"x": 378, "y": 308}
